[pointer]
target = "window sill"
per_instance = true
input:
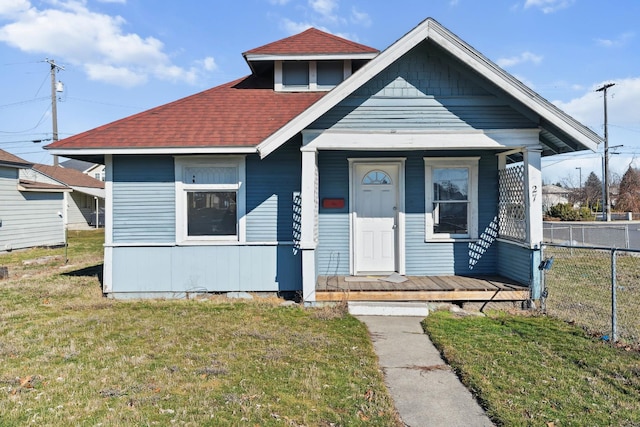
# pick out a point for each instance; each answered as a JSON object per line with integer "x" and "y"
{"x": 450, "y": 240}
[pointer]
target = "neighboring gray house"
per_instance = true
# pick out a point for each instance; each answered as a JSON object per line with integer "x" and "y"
{"x": 84, "y": 204}
{"x": 94, "y": 170}
{"x": 31, "y": 213}
{"x": 553, "y": 195}
{"x": 337, "y": 172}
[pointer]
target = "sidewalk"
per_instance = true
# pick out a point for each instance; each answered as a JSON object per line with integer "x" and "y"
{"x": 425, "y": 390}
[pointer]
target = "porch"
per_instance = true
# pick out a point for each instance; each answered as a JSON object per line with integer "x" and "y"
{"x": 419, "y": 288}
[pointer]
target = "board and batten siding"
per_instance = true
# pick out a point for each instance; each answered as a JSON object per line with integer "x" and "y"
{"x": 28, "y": 219}
{"x": 427, "y": 90}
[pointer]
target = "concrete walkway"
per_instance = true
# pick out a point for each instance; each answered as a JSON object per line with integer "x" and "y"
{"x": 425, "y": 390}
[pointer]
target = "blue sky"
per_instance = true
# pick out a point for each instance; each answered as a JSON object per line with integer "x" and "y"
{"x": 124, "y": 56}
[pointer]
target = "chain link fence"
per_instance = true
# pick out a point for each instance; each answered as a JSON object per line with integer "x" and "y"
{"x": 609, "y": 235}
{"x": 596, "y": 288}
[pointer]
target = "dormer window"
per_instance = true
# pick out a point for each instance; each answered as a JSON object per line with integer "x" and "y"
{"x": 295, "y": 74}
{"x": 302, "y": 76}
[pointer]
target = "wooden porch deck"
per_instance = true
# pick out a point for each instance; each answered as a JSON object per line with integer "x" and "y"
{"x": 419, "y": 288}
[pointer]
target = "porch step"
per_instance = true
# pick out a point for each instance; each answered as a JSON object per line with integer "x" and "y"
{"x": 388, "y": 308}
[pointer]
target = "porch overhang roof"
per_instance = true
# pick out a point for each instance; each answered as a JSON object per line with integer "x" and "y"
{"x": 558, "y": 130}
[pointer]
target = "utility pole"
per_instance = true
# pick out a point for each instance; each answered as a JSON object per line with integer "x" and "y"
{"x": 54, "y": 107}
{"x": 580, "y": 184}
{"x": 607, "y": 200}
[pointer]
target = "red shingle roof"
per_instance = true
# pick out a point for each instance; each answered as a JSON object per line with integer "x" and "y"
{"x": 6, "y": 157}
{"x": 70, "y": 177}
{"x": 241, "y": 113}
{"x": 311, "y": 41}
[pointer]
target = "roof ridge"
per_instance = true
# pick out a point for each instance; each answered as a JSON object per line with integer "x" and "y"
{"x": 294, "y": 42}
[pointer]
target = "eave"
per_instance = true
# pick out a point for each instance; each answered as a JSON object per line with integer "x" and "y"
{"x": 579, "y": 135}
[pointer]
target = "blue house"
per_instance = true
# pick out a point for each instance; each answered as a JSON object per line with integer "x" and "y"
{"x": 337, "y": 172}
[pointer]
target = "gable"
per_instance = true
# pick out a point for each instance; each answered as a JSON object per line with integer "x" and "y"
{"x": 423, "y": 90}
{"x": 558, "y": 132}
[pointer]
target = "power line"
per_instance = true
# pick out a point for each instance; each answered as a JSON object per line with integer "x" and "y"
{"x": 42, "y": 98}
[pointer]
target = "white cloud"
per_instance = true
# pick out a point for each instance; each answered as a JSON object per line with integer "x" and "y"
{"x": 361, "y": 18}
{"x": 209, "y": 64}
{"x": 621, "y": 40}
{"x": 72, "y": 33}
{"x": 9, "y": 8}
{"x": 118, "y": 76}
{"x": 324, "y": 7}
{"x": 623, "y": 103}
{"x": 293, "y": 27}
{"x": 548, "y": 6}
{"x": 522, "y": 58}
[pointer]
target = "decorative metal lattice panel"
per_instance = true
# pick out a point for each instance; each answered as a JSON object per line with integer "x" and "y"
{"x": 512, "y": 215}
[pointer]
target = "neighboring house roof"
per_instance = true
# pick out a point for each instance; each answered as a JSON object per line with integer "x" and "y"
{"x": 248, "y": 114}
{"x": 554, "y": 189}
{"x": 27, "y": 185}
{"x": 8, "y": 159}
{"x": 74, "y": 179}
{"x": 79, "y": 165}
{"x": 69, "y": 177}
{"x": 309, "y": 42}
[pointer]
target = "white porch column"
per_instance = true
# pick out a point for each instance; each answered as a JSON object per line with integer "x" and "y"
{"x": 309, "y": 222}
{"x": 533, "y": 194}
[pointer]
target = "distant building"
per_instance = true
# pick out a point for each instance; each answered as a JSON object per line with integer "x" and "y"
{"x": 94, "y": 170}
{"x": 553, "y": 195}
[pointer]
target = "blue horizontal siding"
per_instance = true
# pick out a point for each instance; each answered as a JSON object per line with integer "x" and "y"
{"x": 421, "y": 258}
{"x": 425, "y": 89}
{"x": 333, "y": 253}
{"x": 180, "y": 269}
{"x": 515, "y": 262}
{"x": 143, "y": 199}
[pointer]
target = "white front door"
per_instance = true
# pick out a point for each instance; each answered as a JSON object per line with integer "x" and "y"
{"x": 375, "y": 217}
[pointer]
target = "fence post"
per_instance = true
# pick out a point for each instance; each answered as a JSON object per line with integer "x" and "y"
{"x": 626, "y": 236}
{"x": 614, "y": 318}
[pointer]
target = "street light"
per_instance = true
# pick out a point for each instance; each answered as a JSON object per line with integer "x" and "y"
{"x": 580, "y": 183}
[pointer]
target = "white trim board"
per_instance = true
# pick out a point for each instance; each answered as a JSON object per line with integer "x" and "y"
{"x": 494, "y": 139}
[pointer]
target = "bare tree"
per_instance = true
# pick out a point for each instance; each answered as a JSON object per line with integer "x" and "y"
{"x": 629, "y": 191}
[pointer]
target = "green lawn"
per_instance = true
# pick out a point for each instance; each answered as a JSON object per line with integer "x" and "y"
{"x": 69, "y": 356}
{"x": 539, "y": 371}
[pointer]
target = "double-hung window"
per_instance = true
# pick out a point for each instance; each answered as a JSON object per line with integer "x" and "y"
{"x": 451, "y": 198}
{"x": 210, "y": 201}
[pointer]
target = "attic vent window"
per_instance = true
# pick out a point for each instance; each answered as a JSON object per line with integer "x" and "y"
{"x": 303, "y": 76}
{"x": 330, "y": 73}
{"x": 295, "y": 74}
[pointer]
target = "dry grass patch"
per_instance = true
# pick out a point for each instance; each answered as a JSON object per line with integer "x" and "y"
{"x": 69, "y": 356}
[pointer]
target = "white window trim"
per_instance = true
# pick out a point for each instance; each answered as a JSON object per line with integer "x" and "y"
{"x": 471, "y": 163}
{"x": 182, "y": 237}
{"x": 313, "y": 78}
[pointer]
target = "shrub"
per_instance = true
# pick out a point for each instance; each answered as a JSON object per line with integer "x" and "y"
{"x": 566, "y": 212}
